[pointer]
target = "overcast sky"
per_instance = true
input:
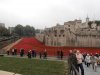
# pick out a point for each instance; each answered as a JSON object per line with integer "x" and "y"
{"x": 46, "y": 13}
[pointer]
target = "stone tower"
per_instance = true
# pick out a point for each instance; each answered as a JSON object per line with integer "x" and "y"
{"x": 87, "y": 21}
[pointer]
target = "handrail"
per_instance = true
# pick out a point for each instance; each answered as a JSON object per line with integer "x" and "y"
{"x": 75, "y": 70}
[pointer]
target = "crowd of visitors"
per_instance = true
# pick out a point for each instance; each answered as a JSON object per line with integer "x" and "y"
{"x": 76, "y": 60}
{"x": 92, "y": 59}
{"x": 33, "y": 53}
{"x": 30, "y": 53}
{"x": 13, "y": 52}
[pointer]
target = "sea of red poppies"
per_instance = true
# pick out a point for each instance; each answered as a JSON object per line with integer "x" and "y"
{"x": 32, "y": 43}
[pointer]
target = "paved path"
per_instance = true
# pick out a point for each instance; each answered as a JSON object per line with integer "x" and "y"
{"x": 11, "y": 45}
{"x": 48, "y": 58}
{"x": 89, "y": 70}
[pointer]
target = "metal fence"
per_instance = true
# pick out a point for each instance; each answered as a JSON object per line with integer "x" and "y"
{"x": 73, "y": 70}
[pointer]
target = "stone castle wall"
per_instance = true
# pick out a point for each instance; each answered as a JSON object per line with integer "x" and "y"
{"x": 72, "y": 33}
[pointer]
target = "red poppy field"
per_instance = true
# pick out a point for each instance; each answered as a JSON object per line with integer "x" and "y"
{"x": 32, "y": 43}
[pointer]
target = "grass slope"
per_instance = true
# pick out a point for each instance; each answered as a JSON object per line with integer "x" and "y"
{"x": 32, "y": 66}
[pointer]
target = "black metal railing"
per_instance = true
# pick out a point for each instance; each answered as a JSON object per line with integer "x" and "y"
{"x": 73, "y": 70}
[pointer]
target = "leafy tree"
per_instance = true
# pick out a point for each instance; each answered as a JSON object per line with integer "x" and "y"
{"x": 4, "y": 31}
{"x": 97, "y": 22}
{"x": 24, "y": 31}
{"x": 19, "y": 29}
{"x": 29, "y": 31}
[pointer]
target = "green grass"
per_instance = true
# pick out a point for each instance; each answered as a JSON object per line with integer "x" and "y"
{"x": 32, "y": 66}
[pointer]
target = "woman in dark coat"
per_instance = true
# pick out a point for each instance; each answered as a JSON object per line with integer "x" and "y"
{"x": 29, "y": 54}
{"x": 61, "y": 54}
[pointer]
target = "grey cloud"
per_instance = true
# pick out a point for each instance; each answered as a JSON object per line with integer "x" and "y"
{"x": 47, "y": 12}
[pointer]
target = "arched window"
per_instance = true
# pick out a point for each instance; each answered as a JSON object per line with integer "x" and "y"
{"x": 63, "y": 35}
{"x": 61, "y": 31}
{"x": 55, "y": 31}
{"x": 55, "y": 35}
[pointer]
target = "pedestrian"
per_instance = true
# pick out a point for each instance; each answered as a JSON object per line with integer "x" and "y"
{"x": 72, "y": 61}
{"x": 94, "y": 62}
{"x": 88, "y": 60}
{"x": 22, "y": 52}
{"x": 58, "y": 54}
{"x": 29, "y": 54}
{"x": 12, "y": 51}
{"x": 45, "y": 54}
{"x": 84, "y": 56}
{"x": 61, "y": 54}
{"x": 97, "y": 55}
{"x": 15, "y": 51}
{"x": 33, "y": 53}
{"x": 40, "y": 54}
{"x": 7, "y": 52}
{"x": 79, "y": 57}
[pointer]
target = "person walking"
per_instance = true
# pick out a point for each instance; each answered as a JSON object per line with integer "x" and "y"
{"x": 84, "y": 55}
{"x": 61, "y": 54}
{"x": 33, "y": 53}
{"x": 58, "y": 54}
{"x": 45, "y": 54}
{"x": 7, "y": 52}
{"x": 72, "y": 61}
{"x": 13, "y": 51}
{"x": 22, "y": 52}
{"x": 29, "y": 54}
{"x": 97, "y": 55}
{"x": 94, "y": 62}
{"x": 88, "y": 60}
{"x": 79, "y": 57}
{"x": 40, "y": 54}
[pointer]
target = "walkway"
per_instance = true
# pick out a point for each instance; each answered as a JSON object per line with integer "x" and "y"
{"x": 11, "y": 45}
{"x": 89, "y": 70}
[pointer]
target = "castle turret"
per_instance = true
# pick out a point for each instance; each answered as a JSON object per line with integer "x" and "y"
{"x": 87, "y": 21}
